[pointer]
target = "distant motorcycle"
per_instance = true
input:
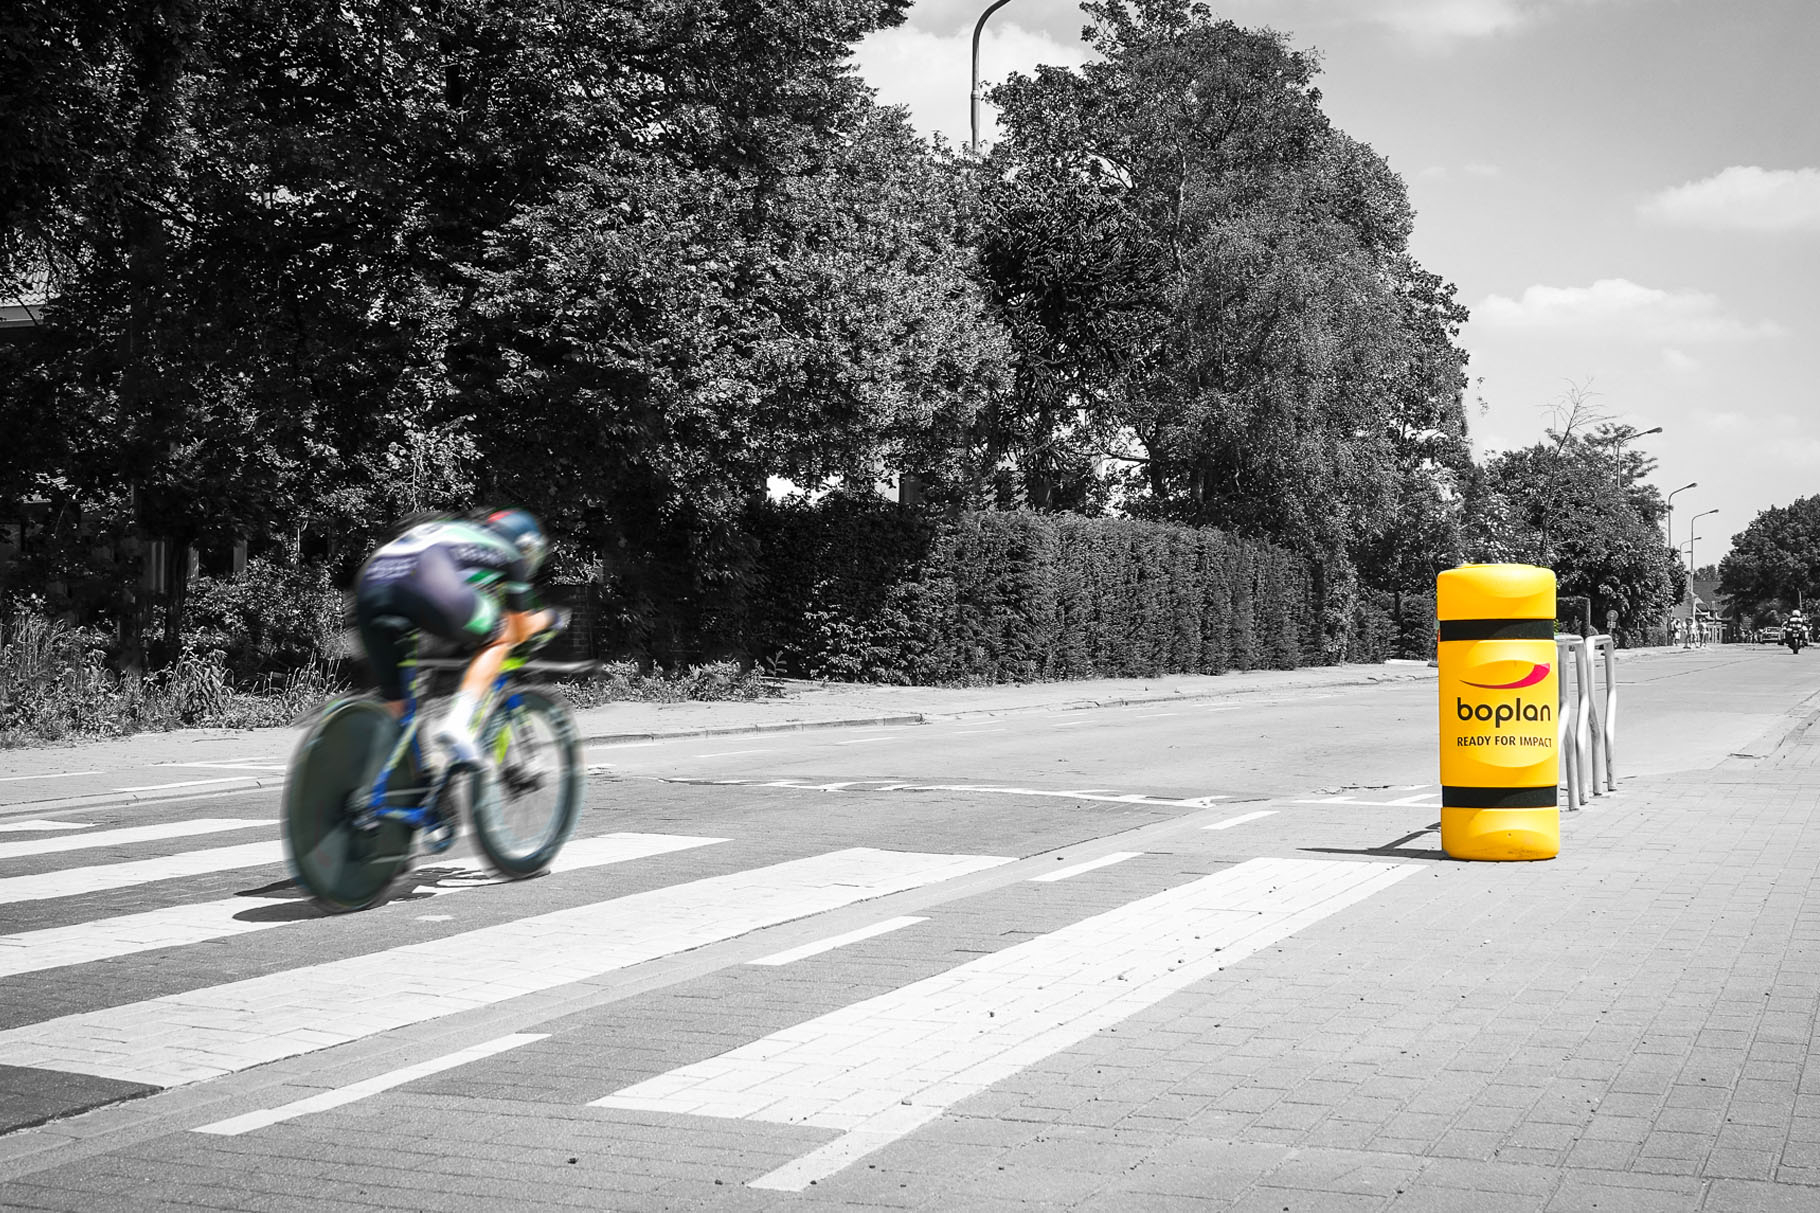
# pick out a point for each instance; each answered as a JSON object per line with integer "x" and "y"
{"x": 1794, "y": 638}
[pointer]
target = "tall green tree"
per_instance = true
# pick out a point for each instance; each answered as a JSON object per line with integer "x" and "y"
{"x": 1271, "y": 358}
{"x": 1774, "y": 564}
{"x": 1564, "y": 504}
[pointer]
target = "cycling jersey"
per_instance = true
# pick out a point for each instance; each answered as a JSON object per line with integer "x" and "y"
{"x": 448, "y": 578}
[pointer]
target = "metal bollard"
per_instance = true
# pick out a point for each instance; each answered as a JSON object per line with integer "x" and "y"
{"x": 1568, "y": 727}
{"x": 1586, "y": 741}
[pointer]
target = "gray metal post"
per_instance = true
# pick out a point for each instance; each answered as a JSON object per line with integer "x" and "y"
{"x": 975, "y": 108}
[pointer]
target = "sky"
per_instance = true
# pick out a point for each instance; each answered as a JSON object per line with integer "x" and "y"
{"x": 1626, "y": 194}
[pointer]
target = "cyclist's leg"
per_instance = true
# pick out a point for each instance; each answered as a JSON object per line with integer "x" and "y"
{"x": 378, "y": 612}
{"x": 446, "y": 606}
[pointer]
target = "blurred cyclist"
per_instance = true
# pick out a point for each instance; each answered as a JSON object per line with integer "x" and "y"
{"x": 466, "y": 580}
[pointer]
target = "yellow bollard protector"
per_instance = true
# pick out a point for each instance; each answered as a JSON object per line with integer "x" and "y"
{"x": 1500, "y": 765}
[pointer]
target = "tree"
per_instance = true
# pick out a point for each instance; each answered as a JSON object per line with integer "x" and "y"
{"x": 1774, "y": 563}
{"x": 1562, "y": 504}
{"x": 1210, "y": 285}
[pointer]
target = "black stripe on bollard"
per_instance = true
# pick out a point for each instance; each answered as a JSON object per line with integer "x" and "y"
{"x": 1498, "y": 798}
{"x": 1497, "y": 629}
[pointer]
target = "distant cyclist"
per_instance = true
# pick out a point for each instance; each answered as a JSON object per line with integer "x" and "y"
{"x": 466, "y": 580}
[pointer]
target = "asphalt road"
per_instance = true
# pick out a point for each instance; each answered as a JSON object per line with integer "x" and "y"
{"x": 629, "y": 1031}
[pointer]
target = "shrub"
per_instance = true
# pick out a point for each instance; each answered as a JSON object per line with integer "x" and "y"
{"x": 869, "y": 591}
{"x": 271, "y": 619}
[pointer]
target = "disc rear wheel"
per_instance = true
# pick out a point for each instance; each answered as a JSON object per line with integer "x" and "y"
{"x": 341, "y": 865}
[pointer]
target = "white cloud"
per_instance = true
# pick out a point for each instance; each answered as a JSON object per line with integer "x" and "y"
{"x": 1616, "y": 308}
{"x": 1679, "y": 362}
{"x": 1430, "y": 21}
{"x": 930, "y": 74}
{"x": 1743, "y": 198}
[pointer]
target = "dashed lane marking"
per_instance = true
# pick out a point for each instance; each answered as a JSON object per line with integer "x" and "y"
{"x": 223, "y": 1029}
{"x": 1104, "y": 861}
{"x": 236, "y": 1125}
{"x": 128, "y": 836}
{"x": 836, "y": 941}
{"x": 199, "y": 922}
{"x": 187, "y": 783}
{"x": 54, "y": 775}
{"x": 1240, "y": 820}
{"x": 880, "y": 1068}
{"x": 40, "y": 823}
{"x": 731, "y": 753}
{"x": 867, "y": 785}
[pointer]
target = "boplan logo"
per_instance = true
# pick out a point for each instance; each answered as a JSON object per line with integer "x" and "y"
{"x": 1506, "y": 676}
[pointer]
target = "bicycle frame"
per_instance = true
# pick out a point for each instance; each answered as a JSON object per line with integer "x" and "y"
{"x": 429, "y": 814}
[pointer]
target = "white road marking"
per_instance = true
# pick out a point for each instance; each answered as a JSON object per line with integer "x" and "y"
{"x": 1240, "y": 820}
{"x": 627, "y": 745}
{"x": 1069, "y": 724}
{"x": 1198, "y": 802}
{"x": 40, "y": 823}
{"x": 223, "y": 1029}
{"x": 1153, "y": 715}
{"x": 965, "y": 732}
{"x": 187, "y": 783}
{"x": 879, "y": 1068}
{"x": 864, "y": 740}
{"x": 1103, "y": 861}
{"x": 72, "y": 882}
{"x": 240, "y": 764}
{"x": 835, "y": 941}
{"x": 56, "y": 775}
{"x": 236, "y": 1125}
{"x": 177, "y": 926}
{"x": 1406, "y": 802}
{"x": 127, "y": 836}
{"x": 731, "y": 753}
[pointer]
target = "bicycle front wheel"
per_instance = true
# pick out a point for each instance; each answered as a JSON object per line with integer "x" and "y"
{"x": 537, "y": 796}
{"x": 341, "y": 866}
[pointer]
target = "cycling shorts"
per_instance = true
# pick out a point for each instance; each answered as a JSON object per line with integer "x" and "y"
{"x": 422, "y": 590}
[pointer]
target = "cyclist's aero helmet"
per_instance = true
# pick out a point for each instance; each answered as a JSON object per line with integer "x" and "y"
{"x": 522, "y": 530}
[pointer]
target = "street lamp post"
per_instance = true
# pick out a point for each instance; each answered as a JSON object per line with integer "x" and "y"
{"x": 1671, "y": 512}
{"x": 975, "y": 111}
{"x": 1691, "y": 566}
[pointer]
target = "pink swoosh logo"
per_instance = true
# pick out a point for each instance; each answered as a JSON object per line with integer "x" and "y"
{"x": 1536, "y": 674}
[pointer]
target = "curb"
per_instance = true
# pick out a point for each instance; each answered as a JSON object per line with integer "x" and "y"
{"x": 782, "y": 726}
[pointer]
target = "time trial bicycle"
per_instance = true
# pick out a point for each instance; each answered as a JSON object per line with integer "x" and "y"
{"x": 362, "y": 791}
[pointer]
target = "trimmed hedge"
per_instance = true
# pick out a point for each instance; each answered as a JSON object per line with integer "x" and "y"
{"x": 859, "y": 590}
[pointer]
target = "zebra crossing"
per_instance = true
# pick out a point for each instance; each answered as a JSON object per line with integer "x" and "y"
{"x": 866, "y": 1073}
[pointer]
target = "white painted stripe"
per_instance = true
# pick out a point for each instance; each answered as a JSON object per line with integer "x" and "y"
{"x": 234, "y": 1126}
{"x": 187, "y": 783}
{"x": 864, "y": 740}
{"x": 40, "y": 823}
{"x": 240, "y": 764}
{"x": 56, "y": 775}
{"x": 836, "y": 941}
{"x": 878, "y": 1068}
{"x": 1197, "y": 802}
{"x": 73, "y": 882}
{"x": 1240, "y": 820}
{"x": 1153, "y": 715}
{"x": 1418, "y": 802}
{"x": 1102, "y": 862}
{"x": 129, "y": 835}
{"x": 731, "y": 753}
{"x": 1069, "y": 724}
{"x": 223, "y": 1029}
{"x": 178, "y": 926}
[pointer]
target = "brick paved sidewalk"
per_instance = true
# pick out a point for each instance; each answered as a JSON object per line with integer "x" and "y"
{"x": 1629, "y": 1026}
